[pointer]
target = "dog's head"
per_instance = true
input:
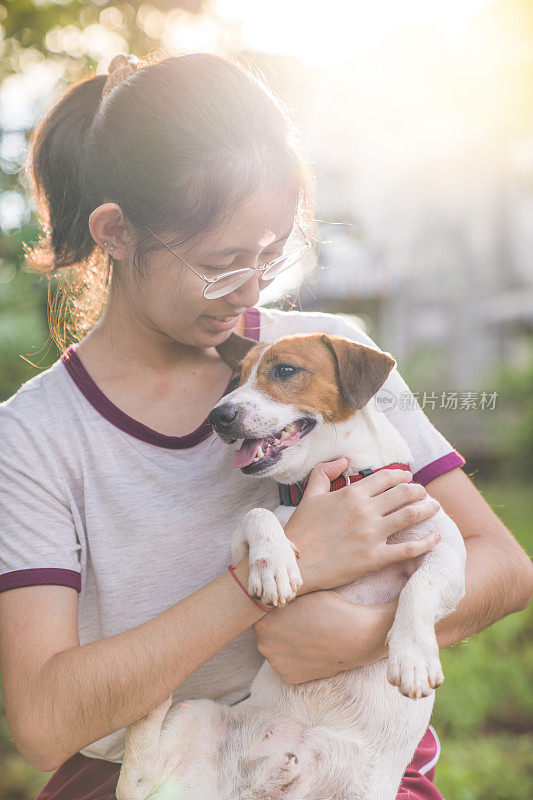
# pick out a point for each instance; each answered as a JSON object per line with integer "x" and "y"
{"x": 288, "y": 391}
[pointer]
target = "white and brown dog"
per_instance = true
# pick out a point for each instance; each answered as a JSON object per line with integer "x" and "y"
{"x": 298, "y": 402}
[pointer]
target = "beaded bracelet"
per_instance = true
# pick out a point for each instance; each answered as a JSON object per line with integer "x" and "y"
{"x": 260, "y": 605}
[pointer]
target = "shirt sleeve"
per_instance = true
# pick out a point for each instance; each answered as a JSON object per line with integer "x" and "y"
{"x": 433, "y": 455}
{"x": 38, "y": 540}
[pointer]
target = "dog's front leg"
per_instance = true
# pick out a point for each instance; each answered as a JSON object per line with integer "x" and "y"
{"x": 431, "y": 593}
{"x": 274, "y": 573}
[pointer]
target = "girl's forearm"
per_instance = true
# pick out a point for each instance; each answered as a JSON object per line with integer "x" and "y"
{"x": 493, "y": 590}
{"x": 90, "y": 691}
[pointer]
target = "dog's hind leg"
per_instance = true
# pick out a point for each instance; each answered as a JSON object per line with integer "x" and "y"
{"x": 172, "y": 753}
{"x": 431, "y": 593}
{"x": 141, "y": 754}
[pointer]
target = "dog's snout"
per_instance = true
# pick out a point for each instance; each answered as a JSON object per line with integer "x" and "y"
{"x": 222, "y": 417}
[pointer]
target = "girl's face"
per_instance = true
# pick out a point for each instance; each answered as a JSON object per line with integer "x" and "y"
{"x": 169, "y": 299}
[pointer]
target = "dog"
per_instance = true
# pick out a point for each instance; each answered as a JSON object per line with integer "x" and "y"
{"x": 295, "y": 403}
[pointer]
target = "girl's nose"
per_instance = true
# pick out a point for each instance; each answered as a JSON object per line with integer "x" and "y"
{"x": 246, "y": 295}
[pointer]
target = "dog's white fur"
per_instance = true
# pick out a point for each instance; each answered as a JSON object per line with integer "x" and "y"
{"x": 349, "y": 737}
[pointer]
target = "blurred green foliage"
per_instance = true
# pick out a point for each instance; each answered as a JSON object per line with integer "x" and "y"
{"x": 514, "y": 437}
{"x": 24, "y": 336}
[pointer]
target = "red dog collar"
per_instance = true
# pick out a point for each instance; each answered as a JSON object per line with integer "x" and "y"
{"x": 291, "y": 494}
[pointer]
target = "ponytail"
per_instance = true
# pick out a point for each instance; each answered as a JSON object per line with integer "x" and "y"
{"x": 64, "y": 207}
{"x": 57, "y": 147}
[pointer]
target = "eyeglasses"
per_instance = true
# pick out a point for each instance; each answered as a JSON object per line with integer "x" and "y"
{"x": 229, "y": 281}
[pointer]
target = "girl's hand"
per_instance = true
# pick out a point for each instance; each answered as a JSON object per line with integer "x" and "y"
{"x": 321, "y": 634}
{"x": 343, "y": 535}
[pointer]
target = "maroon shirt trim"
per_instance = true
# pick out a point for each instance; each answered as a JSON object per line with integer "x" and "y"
{"x": 41, "y": 575}
{"x": 439, "y": 467}
{"x": 113, "y": 414}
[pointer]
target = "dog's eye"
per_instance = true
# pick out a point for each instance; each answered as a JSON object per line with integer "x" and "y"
{"x": 284, "y": 371}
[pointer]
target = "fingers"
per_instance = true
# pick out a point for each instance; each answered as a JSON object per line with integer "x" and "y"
{"x": 399, "y": 496}
{"x": 410, "y": 514}
{"x": 381, "y": 480}
{"x": 322, "y": 474}
{"x": 411, "y": 549}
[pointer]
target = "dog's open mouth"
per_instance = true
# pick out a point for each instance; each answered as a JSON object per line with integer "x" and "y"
{"x": 255, "y": 455}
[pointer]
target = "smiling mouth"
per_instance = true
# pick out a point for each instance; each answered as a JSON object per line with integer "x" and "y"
{"x": 255, "y": 455}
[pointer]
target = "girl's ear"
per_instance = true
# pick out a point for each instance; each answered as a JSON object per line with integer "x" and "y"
{"x": 110, "y": 230}
{"x": 233, "y": 349}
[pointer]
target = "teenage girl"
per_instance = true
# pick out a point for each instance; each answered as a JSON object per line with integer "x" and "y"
{"x": 118, "y": 504}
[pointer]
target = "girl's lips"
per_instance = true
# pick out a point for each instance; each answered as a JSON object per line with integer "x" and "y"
{"x": 220, "y": 324}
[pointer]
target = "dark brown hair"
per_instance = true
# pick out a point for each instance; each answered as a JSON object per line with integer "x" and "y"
{"x": 179, "y": 145}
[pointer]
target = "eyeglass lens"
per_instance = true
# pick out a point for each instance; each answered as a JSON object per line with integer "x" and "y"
{"x": 225, "y": 285}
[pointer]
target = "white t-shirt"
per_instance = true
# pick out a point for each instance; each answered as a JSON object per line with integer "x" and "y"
{"x": 136, "y": 520}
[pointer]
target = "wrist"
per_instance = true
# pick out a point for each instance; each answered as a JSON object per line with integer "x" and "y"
{"x": 310, "y": 580}
{"x": 240, "y": 574}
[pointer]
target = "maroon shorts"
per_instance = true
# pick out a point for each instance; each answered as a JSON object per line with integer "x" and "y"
{"x": 82, "y": 778}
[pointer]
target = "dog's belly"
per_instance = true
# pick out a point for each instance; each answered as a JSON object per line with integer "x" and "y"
{"x": 378, "y": 587}
{"x": 364, "y": 730}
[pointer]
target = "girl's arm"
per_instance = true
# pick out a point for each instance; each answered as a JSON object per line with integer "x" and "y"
{"x": 499, "y": 573}
{"x": 60, "y": 703}
{"x": 308, "y": 640}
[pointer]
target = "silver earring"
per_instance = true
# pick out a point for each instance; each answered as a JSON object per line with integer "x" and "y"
{"x": 105, "y": 244}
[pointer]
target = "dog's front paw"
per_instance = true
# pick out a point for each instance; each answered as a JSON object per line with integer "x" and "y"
{"x": 275, "y": 578}
{"x": 414, "y": 665}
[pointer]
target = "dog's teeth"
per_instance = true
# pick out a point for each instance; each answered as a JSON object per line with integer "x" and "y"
{"x": 277, "y": 441}
{"x": 284, "y": 435}
{"x": 260, "y": 453}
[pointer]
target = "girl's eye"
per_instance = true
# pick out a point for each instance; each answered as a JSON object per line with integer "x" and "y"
{"x": 284, "y": 371}
{"x": 216, "y": 269}
{"x": 265, "y": 261}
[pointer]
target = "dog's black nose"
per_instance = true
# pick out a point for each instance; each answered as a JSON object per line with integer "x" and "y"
{"x": 222, "y": 417}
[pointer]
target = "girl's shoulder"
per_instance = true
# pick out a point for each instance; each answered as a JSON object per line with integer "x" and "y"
{"x": 37, "y": 409}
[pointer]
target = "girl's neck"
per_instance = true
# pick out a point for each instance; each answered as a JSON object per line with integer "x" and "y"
{"x": 138, "y": 349}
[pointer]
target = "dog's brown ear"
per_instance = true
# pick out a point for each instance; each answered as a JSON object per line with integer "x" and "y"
{"x": 362, "y": 370}
{"x": 234, "y": 348}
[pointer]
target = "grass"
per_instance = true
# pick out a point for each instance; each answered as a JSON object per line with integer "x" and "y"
{"x": 483, "y": 711}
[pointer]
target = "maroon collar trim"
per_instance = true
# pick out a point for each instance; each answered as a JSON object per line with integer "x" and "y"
{"x": 291, "y": 494}
{"x": 113, "y": 414}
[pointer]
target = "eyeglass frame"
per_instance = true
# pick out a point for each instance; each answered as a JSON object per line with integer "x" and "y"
{"x": 208, "y": 281}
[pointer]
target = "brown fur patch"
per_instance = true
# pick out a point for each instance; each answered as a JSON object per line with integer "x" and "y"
{"x": 337, "y": 375}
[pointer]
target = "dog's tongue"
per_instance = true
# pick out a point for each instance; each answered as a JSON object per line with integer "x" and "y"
{"x": 246, "y": 453}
